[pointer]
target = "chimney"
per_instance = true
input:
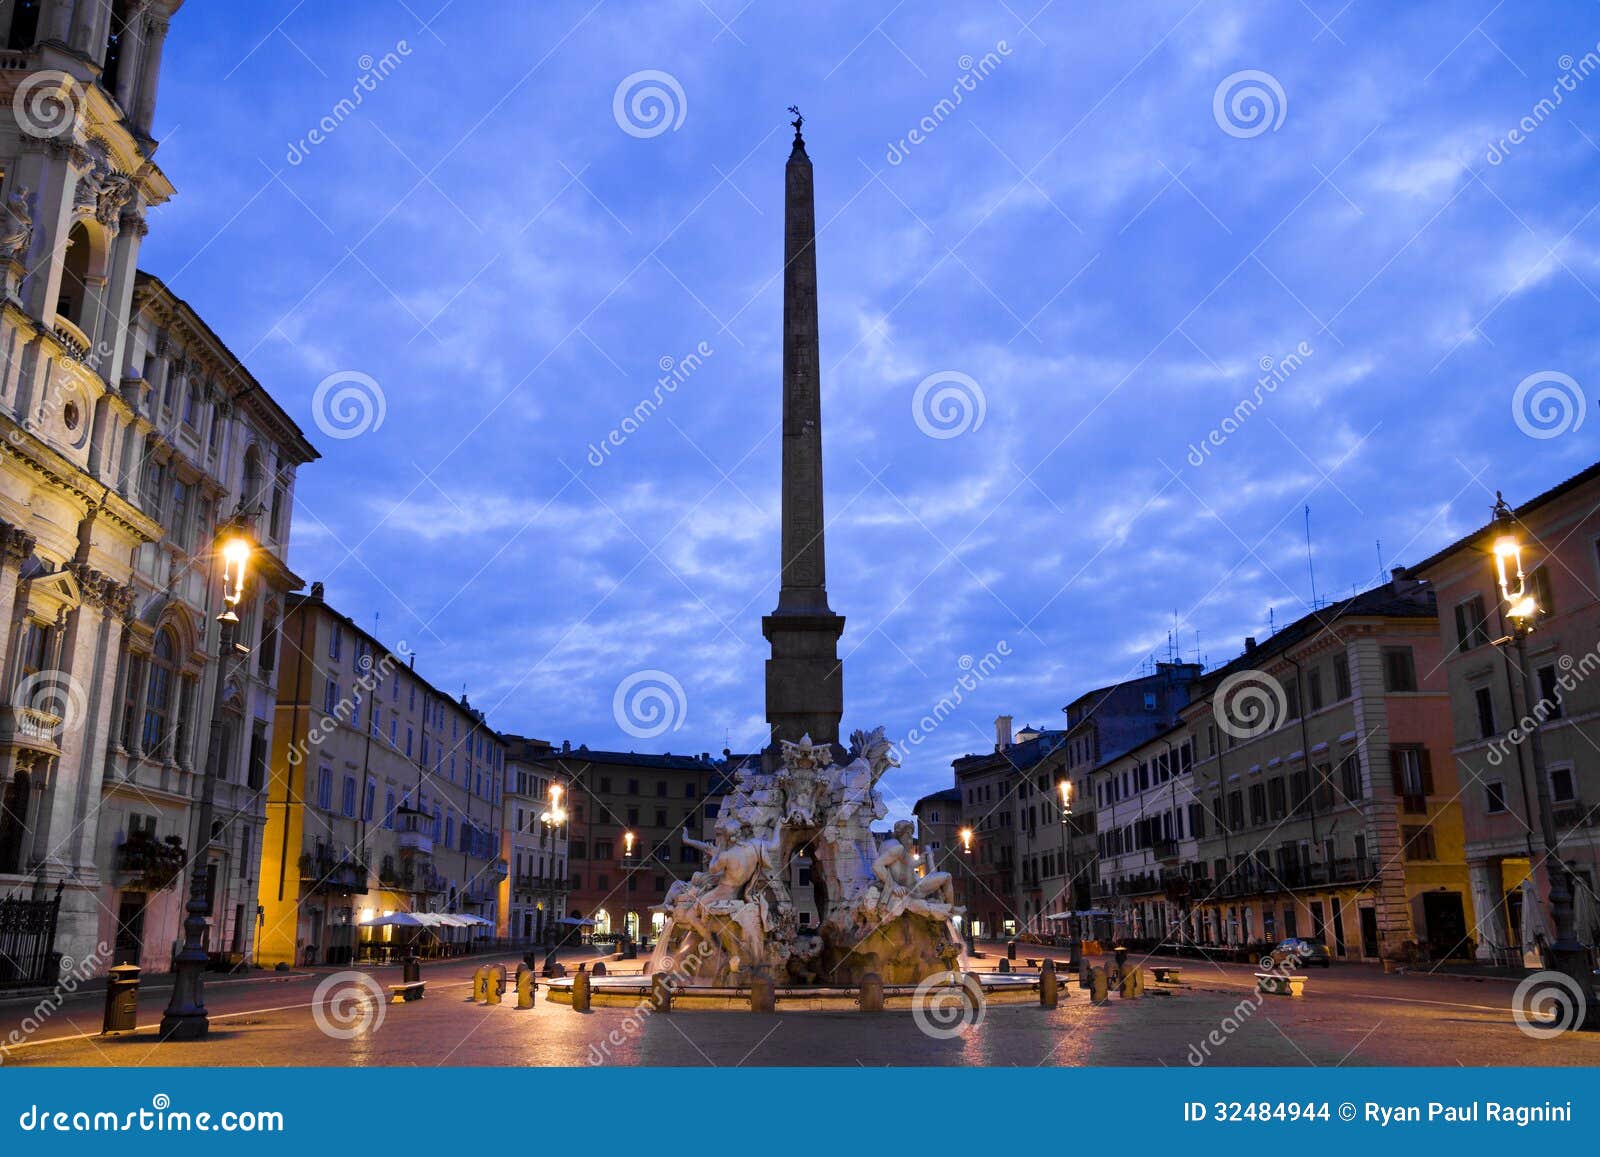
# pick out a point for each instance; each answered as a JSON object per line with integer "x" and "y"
{"x": 566, "y": 746}
{"x": 1249, "y": 644}
{"x": 316, "y": 591}
{"x": 1002, "y": 732}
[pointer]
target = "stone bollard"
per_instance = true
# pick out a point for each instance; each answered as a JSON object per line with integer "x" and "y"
{"x": 661, "y": 993}
{"x": 1005, "y": 966}
{"x": 1099, "y": 991}
{"x": 480, "y": 983}
{"x": 580, "y": 992}
{"x": 527, "y": 984}
{"x": 1084, "y": 969}
{"x": 1128, "y": 986}
{"x": 599, "y": 967}
{"x": 1048, "y": 994}
{"x": 872, "y": 993}
{"x": 495, "y": 983}
{"x": 762, "y": 996}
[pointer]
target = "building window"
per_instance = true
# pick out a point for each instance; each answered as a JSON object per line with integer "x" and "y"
{"x": 1494, "y": 796}
{"x": 1541, "y": 590}
{"x": 1549, "y": 694}
{"x": 1484, "y": 700}
{"x": 1399, "y": 669}
{"x": 325, "y": 789}
{"x": 1413, "y": 777}
{"x": 1419, "y": 843}
{"x": 1562, "y": 788}
{"x": 1341, "y": 676}
{"x": 347, "y": 802}
{"x": 158, "y": 701}
{"x": 1471, "y": 624}
{"x": 1314, "y": 689}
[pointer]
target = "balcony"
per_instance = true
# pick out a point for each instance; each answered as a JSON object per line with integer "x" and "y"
{"x": 1573, "y": 813}
{"x": 71, "y": 337}
{"x": 30, "y": 727}
{"x": 1165, "y": 849}
{"x": 325, "y": 872}
{"x": 414, "y": 843}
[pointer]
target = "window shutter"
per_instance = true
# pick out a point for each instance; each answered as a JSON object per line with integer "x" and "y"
{"x": 1426, "y": 762}
{"x": 1396, "y": 772}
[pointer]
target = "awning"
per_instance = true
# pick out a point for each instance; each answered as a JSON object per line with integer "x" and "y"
{"x": 396, "y": 920}
{"x": 1070, "y": 915}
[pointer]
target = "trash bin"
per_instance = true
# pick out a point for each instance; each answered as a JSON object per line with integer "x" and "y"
{"x": 410, "y": 970}
{"x": 122, "y": 999}
{"x": 1121, "y": 954}
{"x": 1011, "y": 949}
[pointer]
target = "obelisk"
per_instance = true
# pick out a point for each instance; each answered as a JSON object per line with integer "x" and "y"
{"x": 805, "y": 685}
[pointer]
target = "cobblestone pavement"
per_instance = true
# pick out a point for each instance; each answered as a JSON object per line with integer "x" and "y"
{"x": 1350, "y": 1015}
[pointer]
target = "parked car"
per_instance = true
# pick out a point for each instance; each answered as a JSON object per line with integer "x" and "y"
{"x": 1295, "y": 952}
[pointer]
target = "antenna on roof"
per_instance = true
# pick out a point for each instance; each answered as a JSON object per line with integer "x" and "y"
{"x": 1272, "y": 622}
{"x": 1381, "y": 571}
{"x": 1309, "y": 565}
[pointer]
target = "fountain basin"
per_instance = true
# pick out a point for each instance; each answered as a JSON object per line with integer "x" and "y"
{"x": 633, "y": 990}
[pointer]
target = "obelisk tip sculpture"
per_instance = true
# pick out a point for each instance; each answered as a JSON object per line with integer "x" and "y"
{"x": 805, "y": 684}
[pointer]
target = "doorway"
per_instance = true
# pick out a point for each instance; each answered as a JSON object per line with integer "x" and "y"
{"x": 130, "y": 928}
{"x": 1444, "y": 920}
{"x": 1369, "y": 932}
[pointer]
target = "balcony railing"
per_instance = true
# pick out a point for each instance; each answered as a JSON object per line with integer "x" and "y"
{"x": 25, "y": 726}
{"x": 415, "y": 843}
{"x": 1574, "y": 813}
{"x": 327, "y": 873}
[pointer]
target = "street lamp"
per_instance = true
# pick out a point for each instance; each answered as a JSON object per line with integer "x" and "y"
{"x": 627, "y": 845}
{"x": 185, "y": 1016}
{"x": 1521, "y": 608}
{"x": 1067, "y": 889}
{"x": 552, "y": 817}
{"x": 966, "y": 841}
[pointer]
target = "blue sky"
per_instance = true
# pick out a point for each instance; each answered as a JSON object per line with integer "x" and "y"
{"x": 1104, "y": 245}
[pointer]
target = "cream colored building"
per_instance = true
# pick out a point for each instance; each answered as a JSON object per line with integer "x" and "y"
{"x": 127, "y": 428}
{"x": 1493, "y": 711}
{"x": 534, "y": 895}
{"x": 385, "y": 795}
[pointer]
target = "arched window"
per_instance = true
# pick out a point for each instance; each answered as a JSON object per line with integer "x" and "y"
{"x": 251, "y": 492}
{"x": 158, "y": 702}
{"x": 75, "y": 274}
{"x": 191, "y": 406}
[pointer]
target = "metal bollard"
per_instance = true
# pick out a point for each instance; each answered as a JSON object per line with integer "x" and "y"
{"x": 762, "y": 996}
{"x": 1011, "y": 950}
{"x": 1099, "y": 991}
{"x": 871, "y": 993}
{"x": 661, "y": 993}
{"x": 527, "y": 984}
{"x": 1048, "y": 993}
{"x": 122, "y": 999}
{"x": 1005, "y": 966}
{"x": 580, "y": 992}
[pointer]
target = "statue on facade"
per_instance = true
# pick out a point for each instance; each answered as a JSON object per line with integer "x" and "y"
{"x": 16, "y": 227}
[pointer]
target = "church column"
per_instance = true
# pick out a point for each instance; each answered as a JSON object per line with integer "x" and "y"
{"x": 155, "y": 37}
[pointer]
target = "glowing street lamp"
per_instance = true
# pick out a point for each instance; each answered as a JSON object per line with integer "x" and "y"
{"x": 555, "y": 815}
{"x": 235, "y": 565}
{"x": 627, "y": 845}
{"x": 966, "y": 841}
{"x": 1066, "y": 800}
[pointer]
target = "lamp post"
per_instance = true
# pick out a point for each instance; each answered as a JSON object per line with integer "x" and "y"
{"x": 1074, "y": 949}
{"x": 1566, "y": 954}
{"x": 965, "y": 835}
{"x": 552, "y": 817}
{"x": 185, "y": 1016}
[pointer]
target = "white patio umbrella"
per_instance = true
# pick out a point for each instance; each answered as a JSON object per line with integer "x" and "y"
{"x": 1534, "y": 929}
{"x": 396, "y": 920}
{"x": 1585, "y": 914}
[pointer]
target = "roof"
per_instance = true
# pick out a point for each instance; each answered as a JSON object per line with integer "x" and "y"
{"x": 289, "y": 430}
{"x": 664, "y": 762}
{"x": 1020, "y": 756}
{"x": 1398, "y": 599}
{"x": 948, "y": 795}
{"x": 1582, "y": 478}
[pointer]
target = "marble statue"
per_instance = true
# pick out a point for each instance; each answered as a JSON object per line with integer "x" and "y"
{"x": 735, "y": 918}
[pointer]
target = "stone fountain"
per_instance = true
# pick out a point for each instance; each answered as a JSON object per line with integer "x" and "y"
{"x": 736, "y": 920}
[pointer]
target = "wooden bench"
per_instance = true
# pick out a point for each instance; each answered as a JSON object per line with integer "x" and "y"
{"x": 1277, "y": 984}
{"x": 1165, "y": 974}
{"x": 399, "y": 993}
